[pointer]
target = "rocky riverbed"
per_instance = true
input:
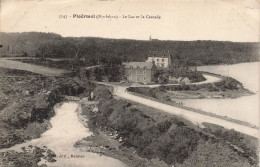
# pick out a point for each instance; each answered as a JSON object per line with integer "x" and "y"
{"x": 27, "y": 101}
{"x": 26, "y": 107}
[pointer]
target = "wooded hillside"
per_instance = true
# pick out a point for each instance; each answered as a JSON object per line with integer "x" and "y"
{"x": 118, "y": 50}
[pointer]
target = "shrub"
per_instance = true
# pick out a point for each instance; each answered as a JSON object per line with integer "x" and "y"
{"x": 101, "y": 92}
{"x": 150, "y": 140}
{"x": 193, "y": 76}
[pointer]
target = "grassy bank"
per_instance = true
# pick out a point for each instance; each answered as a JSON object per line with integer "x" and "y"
{"x": 140, "y": 131}
{"x": 63, "y": 64}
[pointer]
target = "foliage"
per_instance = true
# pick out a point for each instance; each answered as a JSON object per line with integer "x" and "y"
{"x": 143, "y": 90}
{"x": 114, "y": 51}
{"x": 110, "y": 74}
{"x": 227, "y": 83}
{"x": 101, "y": 92}
{"x": 248, "y": 144}
{"x": 169, "y": 140}
{"x": 163, "y": 76}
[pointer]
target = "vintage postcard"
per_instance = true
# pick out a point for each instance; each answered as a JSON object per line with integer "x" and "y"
{"x": 139, "y": 83}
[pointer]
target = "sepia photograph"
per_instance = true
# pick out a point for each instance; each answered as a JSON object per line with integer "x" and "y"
{"x": 137, "y": 83}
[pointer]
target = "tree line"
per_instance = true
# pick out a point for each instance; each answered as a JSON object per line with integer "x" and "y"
{"x": 115, "y": 51}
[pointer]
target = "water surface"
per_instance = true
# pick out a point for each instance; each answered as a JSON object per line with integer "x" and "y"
{"x": 244, "y": 108}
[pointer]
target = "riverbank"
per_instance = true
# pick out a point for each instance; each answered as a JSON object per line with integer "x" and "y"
{"x": 27, "y": 102}
{"x": 21, "y": 106}
{"x": 29, "y": 156}
{"x": 203, "y": 94}
{"x": 132, "y": 133}
{"x": 244, "y": 108}
{"x": 105, "y": 143}
{"x": 180, "y": 105}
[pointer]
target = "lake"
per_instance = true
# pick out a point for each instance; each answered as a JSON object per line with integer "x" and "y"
{"x": 243, "y": 108}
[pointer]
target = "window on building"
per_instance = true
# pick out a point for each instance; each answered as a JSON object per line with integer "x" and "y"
{"x": 130, "y": 72}
{"x": 157, "y": 59}
{"x": 137, "y": 79}
{"x": 131, "y": 67}
{"x": 162, "y": 64}
{"x": 137, "y": 70}
{"x": 144, "y": 78}
{"x": 162, "y": 60}
{"x": 158, "y": 64}
{"x": 144, "y": 72}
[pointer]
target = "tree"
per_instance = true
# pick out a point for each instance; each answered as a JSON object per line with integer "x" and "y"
{"x": 43, "y": 50}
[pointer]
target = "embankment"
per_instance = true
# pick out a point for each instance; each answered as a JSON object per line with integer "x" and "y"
{"x": 151, "y": 137}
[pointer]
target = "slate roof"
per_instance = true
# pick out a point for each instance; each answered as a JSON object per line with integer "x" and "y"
{"x": 158, "y": 53}
{"x": 148, "y": 65}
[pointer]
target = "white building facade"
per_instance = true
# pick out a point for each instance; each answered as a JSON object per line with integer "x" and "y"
{"x": 160, "y": 59}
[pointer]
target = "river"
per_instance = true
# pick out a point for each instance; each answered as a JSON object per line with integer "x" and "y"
{"x": 66, "y": 130}
{"x": 243, "y": 108}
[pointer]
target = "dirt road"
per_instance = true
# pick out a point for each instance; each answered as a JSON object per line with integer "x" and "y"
{"x": 5, "y": 63}
{"x": 194, "y": 117}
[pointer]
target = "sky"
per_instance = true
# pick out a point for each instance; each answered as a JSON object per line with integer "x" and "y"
{"x": 186, "y": 20}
